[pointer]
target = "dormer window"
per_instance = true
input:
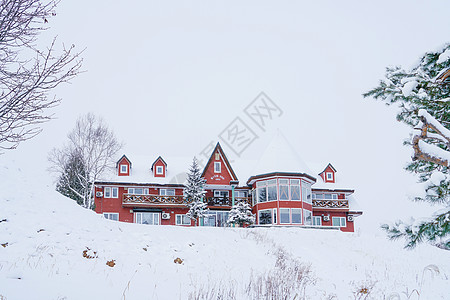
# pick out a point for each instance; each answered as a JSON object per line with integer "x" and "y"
{"x": 123, "y": 169}
{"x": 329, "y": 176}
{"x": 217, "y": 167}
{"x": 159, "y": 170}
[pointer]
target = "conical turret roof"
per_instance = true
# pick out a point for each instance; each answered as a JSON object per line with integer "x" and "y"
{"x": 280, "y": 157}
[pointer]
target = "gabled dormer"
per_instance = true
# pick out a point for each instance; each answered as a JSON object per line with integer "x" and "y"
{"x": 159, "y": 167}
{"x": 218, "y": 169}
{"x": 329, "y": 174}
{"x": 123, "y": 166}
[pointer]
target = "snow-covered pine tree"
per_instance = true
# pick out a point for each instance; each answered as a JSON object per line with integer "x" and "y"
{"x": 194, "y": 191}
{"x": 423, "y": 95}
{"x": 73, "y": 182}
{"x": 241, "y": 214}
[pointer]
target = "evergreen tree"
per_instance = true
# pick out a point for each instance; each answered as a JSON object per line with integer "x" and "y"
{"x": 241, "y": 214}
{"x": 194, "y": 191}
{"x": 73, "y": 179}
{"x": 423, "y": 96}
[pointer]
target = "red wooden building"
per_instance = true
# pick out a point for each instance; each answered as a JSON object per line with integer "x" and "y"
{"x": 281, "y": 190}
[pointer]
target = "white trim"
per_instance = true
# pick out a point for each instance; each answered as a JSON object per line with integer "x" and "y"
{"x": 158, "y": 215}
{"x": 265, "y": 210}
{"x": 340, "y": 221}
{"x": 108, "y": 215}
{"x": 304, "y": 216}
{"x": 274, "y": 216}
{"x": 301, "y": 215}
{"x": 329, "y": 176}
{"x": 226, "y": 166}
{"x": 125, "y": 170}
{"x": 221, "y": 191}
{"x": 159, "y": 170}
{"x": 315, "y": 219}
{"x": 288, "y": 214}
{"x": 161, "y": 193}
{"x": 217, "y": 167}
{"x": 110, "y": 192}
{"x": 183, "y": 218}
{"x": 131, "y": 190}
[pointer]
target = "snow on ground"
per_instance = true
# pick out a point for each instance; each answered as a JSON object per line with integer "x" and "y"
{"x": 45, "y": 236}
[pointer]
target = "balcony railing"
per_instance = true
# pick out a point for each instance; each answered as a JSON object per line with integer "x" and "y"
{"x": 340, "y": 203}
{"x": 225, "y": 201}
{"x": 179, "y": 200}
{"x": 152, "y": 199}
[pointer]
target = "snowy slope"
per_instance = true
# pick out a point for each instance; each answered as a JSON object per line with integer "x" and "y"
{"x": 45, "y": 235}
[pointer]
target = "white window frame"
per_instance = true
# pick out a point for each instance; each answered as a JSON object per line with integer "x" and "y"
{"x": 217, "y": 167}
{"x": 341, "y": 220}
{"x": 111, "y": 192}
{"x": 217, "y": 193}
{"x": 114, "y": 192}
{"x": 271, "y": 216}
{"x": 240, "y": 194}
{"x": 182, "y": 220}
{"x": 132, "y": 191}
{"x": 107, "y": 192}
{"x": 154, "y": 213}
{"x": 289, "y": 215}
{"x": 329, "y": 175}
{"x": 301, "y": 215}
{"x": 163, "y": 192}
{"x": 123, "y": 169}
{"x": 159, "y": 170}
{"x": 108, "y": 216}
{"x": 315, "y": 219}
{"x": 305, "y": 213}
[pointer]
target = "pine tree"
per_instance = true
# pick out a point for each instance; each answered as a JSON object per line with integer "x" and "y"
{"x": 194, "y": 191}
{"x": 241, "y": 214}
{"x": 73, "y": 181}
{"x": 423, "y": 96}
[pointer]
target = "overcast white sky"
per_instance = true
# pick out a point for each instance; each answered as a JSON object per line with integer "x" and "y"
{"x": 170, "y": 76}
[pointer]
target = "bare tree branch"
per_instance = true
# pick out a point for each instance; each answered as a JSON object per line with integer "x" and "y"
{"x": 27, "y": 74}
{"x": 90, "y": 152}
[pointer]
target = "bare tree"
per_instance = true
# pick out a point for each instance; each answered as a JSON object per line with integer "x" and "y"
{"x": 28, "y": 74}
{"x": 92, "y": 147}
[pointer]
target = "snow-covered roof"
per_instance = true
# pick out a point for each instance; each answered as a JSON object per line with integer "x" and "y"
{"x": 141, "y": 170}
{"x": 279, "y": 156}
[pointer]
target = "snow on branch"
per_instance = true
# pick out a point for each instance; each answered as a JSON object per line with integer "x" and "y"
{"x": 428, "y": 152}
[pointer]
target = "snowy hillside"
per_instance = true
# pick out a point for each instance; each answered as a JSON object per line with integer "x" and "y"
{"x": 54, "y": 249}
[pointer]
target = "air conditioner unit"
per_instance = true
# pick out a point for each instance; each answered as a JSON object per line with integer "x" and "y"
{"x": 165, "y": 216}
{"x": 350, "y": 218}
{"x": 326, "y": 218}
{"x": 99, "y": 194}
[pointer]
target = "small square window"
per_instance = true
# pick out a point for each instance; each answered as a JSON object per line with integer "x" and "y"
{"x": 159, "y": 170}
{"x": 217, "y": 167}
{"x": 123, "y": 169}
{"x": 329, "y": 176}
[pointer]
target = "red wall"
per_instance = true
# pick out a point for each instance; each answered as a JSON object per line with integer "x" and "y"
{"x": 124, "y": 161}
{"x": 350, "y": 226}
{"x": 224, "y": 177}
{"x": 160, "y": 163}
{"x": 114, "y": 205}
